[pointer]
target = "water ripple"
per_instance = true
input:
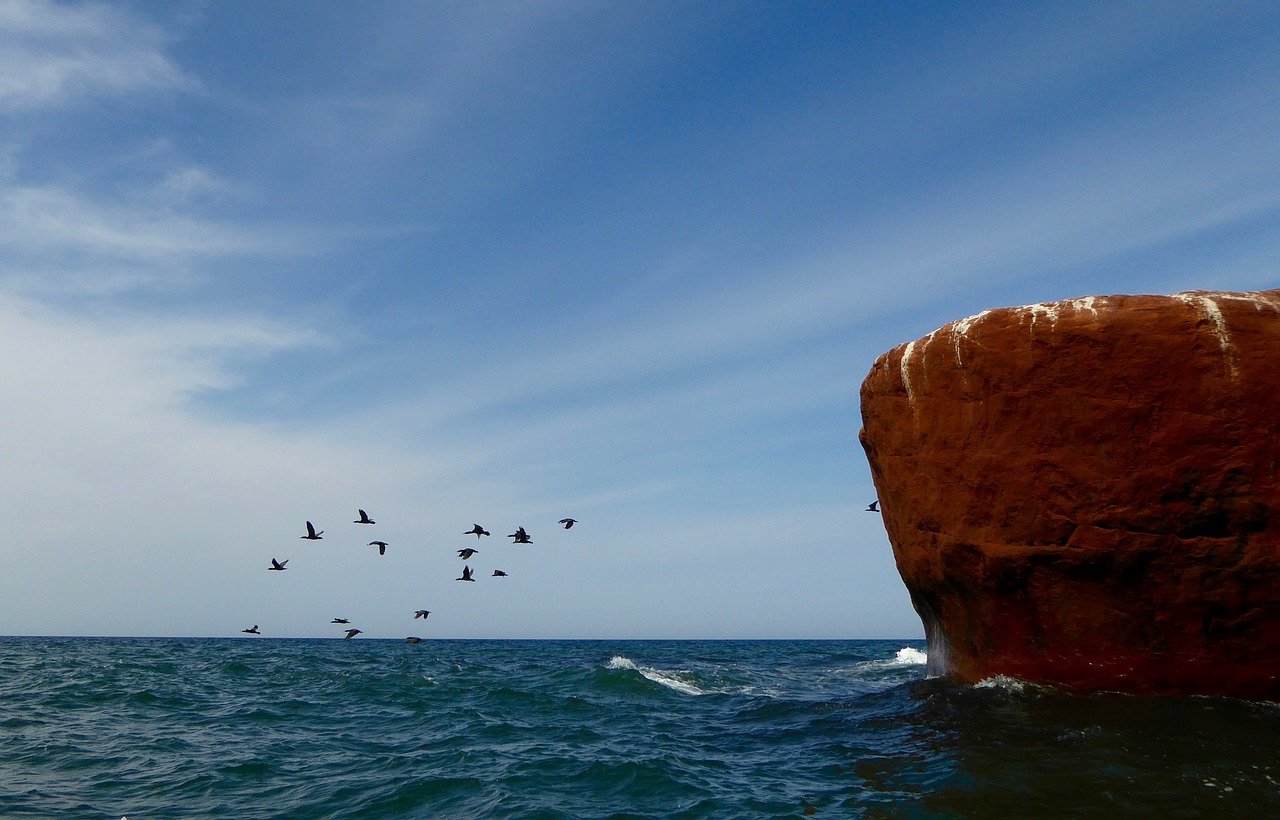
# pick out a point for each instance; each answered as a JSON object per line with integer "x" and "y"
{"x": 303, "y": 729}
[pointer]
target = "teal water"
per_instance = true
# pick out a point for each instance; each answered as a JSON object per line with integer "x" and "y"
{"x": 263, "y": 728}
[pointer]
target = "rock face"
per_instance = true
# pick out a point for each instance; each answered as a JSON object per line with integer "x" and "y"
{"x": 1087, "y": 493}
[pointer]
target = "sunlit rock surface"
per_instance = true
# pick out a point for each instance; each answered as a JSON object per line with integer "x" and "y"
{"x": 1086, "y": 493}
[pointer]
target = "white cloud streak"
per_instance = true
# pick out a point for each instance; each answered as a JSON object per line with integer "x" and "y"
{"x": 54, "y": 53}
{"x": 54, "y": 220}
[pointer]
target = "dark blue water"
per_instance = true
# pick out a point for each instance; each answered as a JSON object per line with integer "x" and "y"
{"x": 160, "y": 728}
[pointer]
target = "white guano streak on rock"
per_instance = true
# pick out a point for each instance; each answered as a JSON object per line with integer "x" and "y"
{"x": 1089, "y": 303}
{"x": 904, "y": 366}
{"x": 904, "y": 369}
{"x": 960, "y": 330}
{"x": 1260, "y": 301}
{"x": 1053, "y": 310}
{"x": 1047, "y": 309}
{"x": 1204, "y": 303}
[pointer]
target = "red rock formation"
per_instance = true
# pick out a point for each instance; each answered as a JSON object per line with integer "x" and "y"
{"x": 1087, "y": 493}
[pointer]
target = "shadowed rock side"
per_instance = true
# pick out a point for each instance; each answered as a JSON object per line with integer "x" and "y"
{"x": 1087, "y": 493}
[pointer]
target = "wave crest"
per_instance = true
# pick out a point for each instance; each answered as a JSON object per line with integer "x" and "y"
{"x": 658, "y": 676}
{"x": 911, "y": 655}
{"x": 1008, "y": 684}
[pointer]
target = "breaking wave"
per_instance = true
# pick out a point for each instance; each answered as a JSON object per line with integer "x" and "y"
{"x": 658, "y": 676}
{"x": 1008, "y": 684}
{"x": 909, "y": 656}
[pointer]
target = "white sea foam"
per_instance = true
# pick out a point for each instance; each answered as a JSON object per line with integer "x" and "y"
{"x": 658, "y": 676}
{"x": 907, "y": 656}
{"x": 1001, "y": 682}
{"x": 910, "y": 655}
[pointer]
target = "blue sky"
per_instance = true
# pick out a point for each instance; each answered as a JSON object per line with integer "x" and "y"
{"x": 509, "y": 262}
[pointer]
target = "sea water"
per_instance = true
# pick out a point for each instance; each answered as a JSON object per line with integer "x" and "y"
{"x": 266, "y": 728}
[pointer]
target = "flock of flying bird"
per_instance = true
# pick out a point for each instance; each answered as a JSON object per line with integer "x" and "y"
{"x": 520, "y": 536}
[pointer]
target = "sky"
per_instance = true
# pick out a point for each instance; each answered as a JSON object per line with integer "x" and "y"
{"x": 508, "y": 262}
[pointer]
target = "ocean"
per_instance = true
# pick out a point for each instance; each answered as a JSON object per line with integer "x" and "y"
{"x": 275, "y": 728}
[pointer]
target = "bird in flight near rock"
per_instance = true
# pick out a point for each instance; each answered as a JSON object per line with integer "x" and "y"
{"x": 497, "y": 573}
{"x": 466, "y": 575}
{"x": 312, "y": 535}
{"x": 351, "y": 633}
{"x": 465, "y": 554}
{"x": 422, "y": 613}
{"x": 477, "y": 531}
{"x": 277, "y": 566}
{"x": 340, "y": 621}
{"x": 381, "y": 545}
{"x": 252, "y": 630}
{"x": 521, "y": 536}
{"x": 364, "y": 518}
{"x": 568, "y": 522}
{"x": 874, "y": 506}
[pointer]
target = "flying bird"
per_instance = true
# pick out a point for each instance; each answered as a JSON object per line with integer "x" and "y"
{"x": 364, "y": 518}
{"x": 312, "y": 535}
{"x": 252, "y": 631}
{"x": 568, "y": 522}
{"x": 339, "y": 621}
{"x": 381, "y": 545}
{"x": 466, "y": 575}
{"x": 465, "y": 554}
{"x": 351, "y": 633}
{"x": 422, "y": 613}
{"x": 521, "y": 536}
{"x": 874, "y": 506}
{"x": 477, "y": 531}
{"x": 278, "y": 566}
{"x": 497, "y": 573}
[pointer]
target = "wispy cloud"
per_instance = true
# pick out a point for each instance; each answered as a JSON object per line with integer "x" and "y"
{"x": 52, "y": 53}
{"x": 49, "y": 219}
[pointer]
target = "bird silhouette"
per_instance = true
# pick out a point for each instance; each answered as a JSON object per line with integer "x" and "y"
{"x": 874, "y": 506}
{"x": 568, "y": 522}
{"x": 364, "y": 518}
{"x": 339, "y": 621}
{"x": 278, "y": 566}
{"x": 422, "y": 613}
{"x": 252, "y": 631}
{"x": 351, "y": 633}
{"x": 412, "y": 639}
{"x": 312, "y": 535}
{"x": 497, "y": 573}
{"x": 466, "y": 575}
{"x": 477, "y": 531}
{"x": 381, "y": 545}
{"x": 465, "y": 554}
{"x": 521, "y": 536}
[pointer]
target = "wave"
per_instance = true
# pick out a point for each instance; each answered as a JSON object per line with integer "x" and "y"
{"x": 908, "y": 655}
{"x": 658, "y": 676}
{"x": 1004, "y": 682}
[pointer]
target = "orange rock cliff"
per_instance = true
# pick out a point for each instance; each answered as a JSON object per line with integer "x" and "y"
{"x": 1085, "y": 493}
